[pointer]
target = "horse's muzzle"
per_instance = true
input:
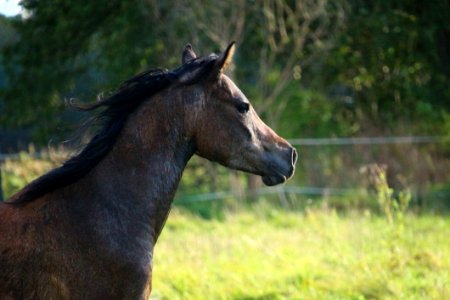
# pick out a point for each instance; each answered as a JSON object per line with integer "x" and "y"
{"x": 281, "y": 166}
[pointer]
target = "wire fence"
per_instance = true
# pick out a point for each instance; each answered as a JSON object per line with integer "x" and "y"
{"x": 298, "y": 190}
{"x": 278, "y": 190}
{"x": 313, "y": 142}
{"x": 366, "y": 140}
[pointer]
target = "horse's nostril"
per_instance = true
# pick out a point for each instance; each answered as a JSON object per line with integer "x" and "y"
{"x": 294, "y": 156}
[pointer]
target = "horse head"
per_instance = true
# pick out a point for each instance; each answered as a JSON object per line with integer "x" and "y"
{"x": 226, "y": 128}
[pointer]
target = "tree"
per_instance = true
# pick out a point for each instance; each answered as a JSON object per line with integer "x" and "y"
{"x": 392, "y": 60}
{"x": 64, "y": 44}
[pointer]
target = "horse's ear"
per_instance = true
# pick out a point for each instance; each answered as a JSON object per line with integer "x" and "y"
{"x": 226, "y": 57}
{"x": 188, "y": 54}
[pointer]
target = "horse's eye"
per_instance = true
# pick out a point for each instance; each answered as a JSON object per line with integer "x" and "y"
{"x": 242, "y": 107}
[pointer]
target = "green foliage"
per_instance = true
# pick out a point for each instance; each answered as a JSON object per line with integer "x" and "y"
{"x": 391, "y": 56}
{"x": 311, "y": 113}
{"x": 72, "y": 49}
{"x": 387, "y": 66}
{"x": 7, "y": 33}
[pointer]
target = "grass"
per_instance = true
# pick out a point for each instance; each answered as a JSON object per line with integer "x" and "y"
{"x": 16, "y": 173}
{"x": 273, "y": 254}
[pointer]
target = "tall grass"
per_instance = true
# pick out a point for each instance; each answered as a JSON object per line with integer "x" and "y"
{"x": 319, "y": 254}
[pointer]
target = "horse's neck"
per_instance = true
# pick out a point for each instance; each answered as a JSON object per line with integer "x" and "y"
{"x": 128, "y": 195}
{"x": 141, "y": 185}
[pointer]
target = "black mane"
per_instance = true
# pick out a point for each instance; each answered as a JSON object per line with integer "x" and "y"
{"x": 117, "y": 108}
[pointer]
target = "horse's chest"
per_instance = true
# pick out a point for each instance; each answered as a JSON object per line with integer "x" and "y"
{"x": 107, "y": 275}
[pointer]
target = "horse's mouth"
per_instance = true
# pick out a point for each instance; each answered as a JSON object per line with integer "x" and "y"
{"x": 276, "y": 176}
{"x": 273, "y": 180}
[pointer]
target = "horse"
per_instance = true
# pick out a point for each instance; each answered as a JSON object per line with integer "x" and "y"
{"x": 87, "y": 229}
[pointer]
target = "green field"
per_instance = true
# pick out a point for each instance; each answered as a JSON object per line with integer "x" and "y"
{"x": 267, "y": 253}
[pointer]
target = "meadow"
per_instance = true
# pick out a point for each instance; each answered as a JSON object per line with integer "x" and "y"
{"x": 269, "y": 253}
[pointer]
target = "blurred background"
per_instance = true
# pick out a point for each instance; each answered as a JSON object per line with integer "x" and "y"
{"x": 360, "y": 88}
